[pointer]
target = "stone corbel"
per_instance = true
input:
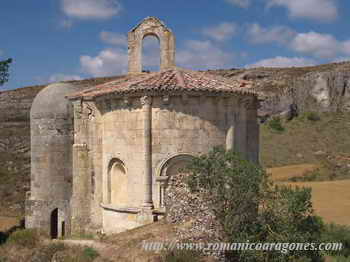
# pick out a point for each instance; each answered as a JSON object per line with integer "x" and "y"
{"x": 127, "y": 101}
{"x": 184, "y": 98}
{"x": 166, "y": 100}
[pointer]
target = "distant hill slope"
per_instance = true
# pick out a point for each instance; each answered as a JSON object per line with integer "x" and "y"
{"x": 319, "y": 88}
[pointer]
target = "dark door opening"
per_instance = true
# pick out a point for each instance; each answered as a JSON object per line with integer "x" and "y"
{"x": 54, "y": 223}
{"x": 63, "y": 228}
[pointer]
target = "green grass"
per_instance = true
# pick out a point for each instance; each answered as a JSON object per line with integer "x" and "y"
{"x": 83, "y": 236}
{"x": 305, "y": 137}
{"x": 276, "y": 124}
{"x": 26, "y": 238}
{"x": 90, "y": 254}
{"x": 182, "y": 256}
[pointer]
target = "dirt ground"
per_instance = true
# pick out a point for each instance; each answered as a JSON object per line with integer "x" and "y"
{"x": 6, "y": 223}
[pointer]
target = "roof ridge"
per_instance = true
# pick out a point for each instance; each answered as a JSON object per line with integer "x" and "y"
{"x": 180, "y": 78}
{"x": 173, "y": 79}
{"x": 138, "y": 81}
{"x": 225, "y": 80}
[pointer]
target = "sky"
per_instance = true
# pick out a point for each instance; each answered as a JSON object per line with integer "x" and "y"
{"x": 57, "y": 40}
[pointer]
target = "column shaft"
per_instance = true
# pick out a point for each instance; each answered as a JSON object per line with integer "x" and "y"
{"x": 246, "y": 135}
{"x": 147, "y": 129}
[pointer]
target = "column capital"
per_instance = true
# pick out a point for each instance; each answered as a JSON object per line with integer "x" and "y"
{"x": 248, "y": 102}
{"x": 146, "y": 100}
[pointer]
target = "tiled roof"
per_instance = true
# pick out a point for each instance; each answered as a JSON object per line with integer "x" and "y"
{"x": 173, "y": 80}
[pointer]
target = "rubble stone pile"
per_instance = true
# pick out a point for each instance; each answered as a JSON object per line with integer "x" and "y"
{"x": 188, "y": 210}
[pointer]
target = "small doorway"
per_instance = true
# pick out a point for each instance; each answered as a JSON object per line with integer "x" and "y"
{"x": 57, "y": 224}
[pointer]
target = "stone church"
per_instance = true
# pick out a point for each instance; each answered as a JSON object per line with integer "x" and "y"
{"x": 101, "y": 155}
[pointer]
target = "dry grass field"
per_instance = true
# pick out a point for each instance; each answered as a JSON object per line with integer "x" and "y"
{"x": 287, "y": 172}
{"x": 331, "y": 199}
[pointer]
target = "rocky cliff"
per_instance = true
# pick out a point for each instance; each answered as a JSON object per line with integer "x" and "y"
{"x": 323, "y": 88}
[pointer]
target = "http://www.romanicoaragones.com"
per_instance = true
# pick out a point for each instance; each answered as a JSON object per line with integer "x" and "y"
{"x": 284, "y": 248}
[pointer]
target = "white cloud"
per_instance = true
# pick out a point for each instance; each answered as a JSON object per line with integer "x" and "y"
{"x": 346, "y": 47}
{"x": 91, "y": 9}
{"x": 203, "y": 55}
{"x": 63, "y": 77}
{"x": 322, "y": 46}
{"x": 260, "y": 35}
{"x": 107, "y": 62}
{"x": 280, "y": 61}
{"x": 221, "y": 32}
{"x": 240, "y": 3}
{"x": 318, "y": 45}
{"x": 114, "y": 38}
{"x": 114, "y": 61}
{"x": 322, "y": 10}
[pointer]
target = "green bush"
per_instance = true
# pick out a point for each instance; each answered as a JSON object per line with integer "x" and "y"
{"x": 313, "y": 175}
{"x": 250, "y": 208}
{"x": 26, "y": 238}
{"x": 90, "y": 254}
{"x": 276, "y": 124}
{"x": 341, "y": 259}
{"x": 312, "y": 116}
{"x": 334, "y": 233}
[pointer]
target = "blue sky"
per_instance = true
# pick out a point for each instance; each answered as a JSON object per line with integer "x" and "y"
{"x": 58, "y": 40}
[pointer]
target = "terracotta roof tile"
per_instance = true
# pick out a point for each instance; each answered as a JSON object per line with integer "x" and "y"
{"x": 168, "y": 81}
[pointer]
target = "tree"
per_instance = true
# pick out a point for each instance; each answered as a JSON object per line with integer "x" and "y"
{"x": 4, "y": 67}
{"x": 251, "y": 209}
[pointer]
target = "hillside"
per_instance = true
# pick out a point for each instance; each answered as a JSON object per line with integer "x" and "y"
{"x": 15, "y": 144}
{"x": 320, "y": 88}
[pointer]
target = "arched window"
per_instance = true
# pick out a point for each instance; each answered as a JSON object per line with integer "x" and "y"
{"x": 151, "y": 26}
{"x": 170, "y": 167}
{"x": 150, "y": 53}
{"x": 117, "y": 183}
